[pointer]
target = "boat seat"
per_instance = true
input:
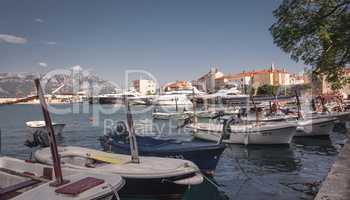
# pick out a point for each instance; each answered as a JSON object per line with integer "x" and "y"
{"x": 13, "y": 188}
{"x": 80, "y": 186}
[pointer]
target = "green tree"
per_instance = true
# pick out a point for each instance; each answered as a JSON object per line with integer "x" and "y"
{"x": 316, "y": 32}
{"x": 267, "y": 90}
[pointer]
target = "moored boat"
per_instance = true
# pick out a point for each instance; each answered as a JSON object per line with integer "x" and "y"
{"x": 21, "y": 180}
{"x": 37, "y": 132}
{"x": 315, "y": 126}
{"x": 204, "y": 154}
{"x": 172, "y": 100}
{"x": 34, "y": 126}
{"x": 151, "y": 177}
{"x": 262, "y": 133}
{"x": 171, "y": 115}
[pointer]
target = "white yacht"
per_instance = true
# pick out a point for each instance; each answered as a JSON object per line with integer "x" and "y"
{"x": 227, "y": 93}
{"x": 172, "y": 100}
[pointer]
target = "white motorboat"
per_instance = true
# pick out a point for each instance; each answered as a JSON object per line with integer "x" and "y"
{"x": 37, "y": 132}
{"x": 341, "y": 116}
{"x": 172, "y": 100}
{"x": 152, "y": 176}
{"x": 170, "y": 115}
{"x": 232, "y": 93}
{"x": 262, "y": 133}
{"x": 315, "y": 126}
{"x": 34, "y": 126}
{"x": 21, "y": 180}
{"x": 270, "y": 118}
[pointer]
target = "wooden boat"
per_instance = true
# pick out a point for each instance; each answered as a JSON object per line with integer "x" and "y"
{"x": 204, "y": 154}
{"x": 151, "y": 177}
{"x": 21, "y": 180}
{"x": 262, "y": 133}
{"x": 315, "y": 126}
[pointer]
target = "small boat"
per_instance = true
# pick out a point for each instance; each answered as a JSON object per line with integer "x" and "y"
{"x": 315, "y": 126}
{"x": 34, "y": 126}
{"x": 38, "y": 132}
{"x": 262, "y": 133}
{"x": 22, "y": 180}
{"x": 341, "y": 116}
{"x": 170, "y": 115}
{"x": 151, "y": 177}
{"x": 204, "y": 154}
{"x": 271, "y": 118}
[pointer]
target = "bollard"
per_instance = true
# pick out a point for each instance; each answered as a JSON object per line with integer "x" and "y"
{"x": 347, "y": 126}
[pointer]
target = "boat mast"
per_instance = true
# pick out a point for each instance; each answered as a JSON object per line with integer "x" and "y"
{"x": 132, "y": 137}
{"x": 176, "y": 104}
{"x": 256, "y": 110}
{"x": 298, "y": 104}
{"x": 194, "y": 104}
{"x": 51, "y": 135}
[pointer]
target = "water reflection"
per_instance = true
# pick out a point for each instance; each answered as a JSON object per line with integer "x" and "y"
{"x": 253, "y": 172}
{"x": 315, "y": 145}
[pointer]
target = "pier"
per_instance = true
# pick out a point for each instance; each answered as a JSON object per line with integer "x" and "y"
{"x": 337, "y": 184}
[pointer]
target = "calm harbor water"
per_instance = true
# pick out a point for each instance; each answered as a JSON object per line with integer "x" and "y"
{"x": 254, "y": 172}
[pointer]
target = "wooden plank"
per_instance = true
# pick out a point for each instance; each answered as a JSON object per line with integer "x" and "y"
{"x": 80, "y": 186}
{"x": 18, "y": 186}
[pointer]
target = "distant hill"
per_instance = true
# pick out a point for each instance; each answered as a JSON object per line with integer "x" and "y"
{"x": 21, "y": 84}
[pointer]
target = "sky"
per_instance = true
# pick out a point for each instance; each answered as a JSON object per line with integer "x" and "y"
{"x": 171, "y": 39}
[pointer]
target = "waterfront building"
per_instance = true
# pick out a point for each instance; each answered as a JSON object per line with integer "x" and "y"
{"x": 206, "y": 82}
{"x": 325, "y": 87}
{"x": 144, "y": 86}
{"x": 177, "y": 85}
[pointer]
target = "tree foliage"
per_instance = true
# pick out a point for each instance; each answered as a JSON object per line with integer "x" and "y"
{"x": 316, "y": 32}
{"x": 267, "y": 90}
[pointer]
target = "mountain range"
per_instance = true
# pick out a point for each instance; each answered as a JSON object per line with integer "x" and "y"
{"x": 75, "y": 81}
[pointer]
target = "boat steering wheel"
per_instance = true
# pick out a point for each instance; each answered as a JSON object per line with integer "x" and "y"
{"x": 121, "y": 129}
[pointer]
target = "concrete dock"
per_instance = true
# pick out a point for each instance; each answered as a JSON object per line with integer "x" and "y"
{"x": 337, "y": 184}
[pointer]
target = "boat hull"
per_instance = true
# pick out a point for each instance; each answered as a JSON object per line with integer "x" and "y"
{"x": 152, "y": 176}
{"x": 282, "y": 135}
{"x": 204, "y": 155}
{"x": 315, "y": 127}
{"x": 152, "y": 189}
{"x": 16, "y": 173}
{"x": 167, "y": 116}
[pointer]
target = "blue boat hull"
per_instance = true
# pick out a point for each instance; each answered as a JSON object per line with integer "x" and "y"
{"x": 205, "y": 155}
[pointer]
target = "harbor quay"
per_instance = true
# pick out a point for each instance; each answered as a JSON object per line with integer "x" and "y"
{"x": 337, "y": 183}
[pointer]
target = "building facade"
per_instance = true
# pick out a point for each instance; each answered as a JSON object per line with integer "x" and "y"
{"x": 207, "y": 82}
{"x": 144, "y": 86}
{"x": 177, "y": 85}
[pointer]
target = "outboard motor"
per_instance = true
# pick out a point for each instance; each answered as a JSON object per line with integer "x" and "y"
{"x": 219, "y": 115}
{"x": 38, "y": 139}
{"x": 227, "y": 128}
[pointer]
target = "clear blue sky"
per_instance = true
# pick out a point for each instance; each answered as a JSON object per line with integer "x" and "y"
{"x": 173, "y": 39}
